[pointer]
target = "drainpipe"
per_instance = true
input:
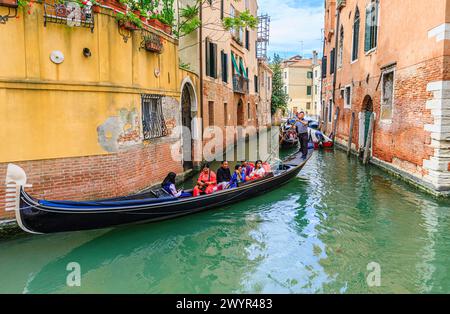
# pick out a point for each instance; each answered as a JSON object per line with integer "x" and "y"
{"x": 201, "y": 62}
{"x": 336, "y": 42}
{"x": 322, "y": 110}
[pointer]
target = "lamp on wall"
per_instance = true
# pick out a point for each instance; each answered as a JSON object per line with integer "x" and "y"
{"x": 10, "y": 4}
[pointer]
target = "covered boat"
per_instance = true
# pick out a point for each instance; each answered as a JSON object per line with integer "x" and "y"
{"x": 43, "y": 216}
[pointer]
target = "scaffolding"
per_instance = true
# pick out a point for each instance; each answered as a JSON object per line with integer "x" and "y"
{"x": 263, "y": 37}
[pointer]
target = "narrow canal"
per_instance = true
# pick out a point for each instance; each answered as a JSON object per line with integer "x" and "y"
{"x": 318, "y": 233}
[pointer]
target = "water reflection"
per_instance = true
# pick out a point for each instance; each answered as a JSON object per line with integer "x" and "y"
{"x": 315, "y": 234}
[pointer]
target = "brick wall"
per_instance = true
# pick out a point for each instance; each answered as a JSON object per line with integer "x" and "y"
{"x": 403, "y": 142}
{"x": 94, "y": 177}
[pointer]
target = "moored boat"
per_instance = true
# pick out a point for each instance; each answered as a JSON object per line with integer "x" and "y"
{"x": 44, "y": 216}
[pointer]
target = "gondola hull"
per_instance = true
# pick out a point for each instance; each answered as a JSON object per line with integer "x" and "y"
{"x": 36, "y": 217}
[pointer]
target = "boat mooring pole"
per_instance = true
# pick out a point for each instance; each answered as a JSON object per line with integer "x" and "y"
{"x": 369, "y": 139}
{"x": 350, "y": 136}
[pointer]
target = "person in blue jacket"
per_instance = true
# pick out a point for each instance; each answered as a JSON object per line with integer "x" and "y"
{"x": 238, "y": 176}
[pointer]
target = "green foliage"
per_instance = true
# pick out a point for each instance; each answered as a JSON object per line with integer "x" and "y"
{"x": 279, "y": 96}
{"x": 129, "y": 17}
{"x": 167, "y": 15}
{"x": 245, "y": 19}
{"x": 185, "y": 66}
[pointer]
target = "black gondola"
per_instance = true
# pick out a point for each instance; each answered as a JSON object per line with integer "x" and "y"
{"x": 41, "y": 216}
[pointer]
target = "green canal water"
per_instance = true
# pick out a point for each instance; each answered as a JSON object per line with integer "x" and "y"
{"x": 316, "y": 234}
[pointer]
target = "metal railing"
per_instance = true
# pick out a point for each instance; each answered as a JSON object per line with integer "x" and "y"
{"x": 240, "y": 84}
{"x": 153, "y": 122}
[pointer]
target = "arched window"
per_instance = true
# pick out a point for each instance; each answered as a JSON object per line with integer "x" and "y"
{"x": 371, "y": 32}
{"x": 341, "y": 47}
{"x": 356, "y": 24}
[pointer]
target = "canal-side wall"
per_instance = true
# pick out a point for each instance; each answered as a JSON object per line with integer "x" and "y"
{"x": 76, "y": 127}
{"x": 411, "y": 129}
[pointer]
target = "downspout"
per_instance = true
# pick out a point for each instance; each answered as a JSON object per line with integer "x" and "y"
{"x": 336, "y": 42}
{"x": 322, "y": 111}
{"x": 201, "y": 62}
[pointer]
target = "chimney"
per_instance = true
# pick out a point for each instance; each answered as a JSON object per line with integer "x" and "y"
{"x": 315, "y": 56}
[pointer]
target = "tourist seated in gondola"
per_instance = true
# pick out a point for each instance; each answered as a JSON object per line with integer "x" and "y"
{"x": 237, "y": 177}
{"x": 169, "y": 186}
{"x": 257, "y": 173}
{"x": 223, "y": 176}
{"x": 247, "y": 167}
{"x": 206, "y": 183}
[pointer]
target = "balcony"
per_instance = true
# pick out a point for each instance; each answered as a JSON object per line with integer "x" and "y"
{"x": 240, "y": 84}
{"x": 340, "y": 4}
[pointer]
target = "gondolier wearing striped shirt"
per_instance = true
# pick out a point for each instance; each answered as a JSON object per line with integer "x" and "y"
{"x": 301, "y": 126}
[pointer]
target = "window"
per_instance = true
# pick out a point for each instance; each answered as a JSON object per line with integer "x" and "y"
{"x": 308, "y": 90}
{"x": 225, "y": 114}
{"x": 222, "y": 9}
{"x": 309, "y": 75}
{"x": 224, "y": 59}
{"x": 315, "y": 89}
{"x": 153, "y": 124}
{"x": 211, "y": 59}
{"x": 315, "y": 73}
{"x": 285, "y": 89}
{"x": 247, "y": 39}
{"x": 285, "y": 74}
{"x": 210, "y": 113}
{"x": 387, "y": 94}
{"x": 330, "y": 111}
{"x": 308, "y": 106}
{"x": 348, "y": 97}
{"x": 248, "y": 111}
{"x": 341, "y": 48}
{"x": 371, "y": 31}
{"x": 256, "y": 84}
{"x": 332, "y": 57}
{"x": 324, "y": 67}
{"x": 355, "y": 47}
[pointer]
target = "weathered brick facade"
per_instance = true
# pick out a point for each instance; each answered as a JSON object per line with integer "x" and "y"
{"x": 94, "y": 177}
{"x": 413, "y": 139}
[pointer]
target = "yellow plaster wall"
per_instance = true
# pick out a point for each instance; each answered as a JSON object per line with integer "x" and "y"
{"x": 53, "y": 111}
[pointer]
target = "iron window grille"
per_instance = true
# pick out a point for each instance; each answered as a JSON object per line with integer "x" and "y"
{"x": 153, "y": 123}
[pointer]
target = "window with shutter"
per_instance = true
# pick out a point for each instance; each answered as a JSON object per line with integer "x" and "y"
{"x": 371, "y": 30}
{"x": 332, "y": 59}
{"x": 324, "y": 67}
{"x": 355, "y": 47}
{"x": 207, "y": 57}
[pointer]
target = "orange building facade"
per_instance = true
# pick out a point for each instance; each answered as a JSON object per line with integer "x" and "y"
{"x": 391, "y": 58}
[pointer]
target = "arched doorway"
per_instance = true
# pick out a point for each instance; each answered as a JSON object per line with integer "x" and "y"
{"x": 188, "y": 111}
{"x": 240, "y": 113}
{"x": 367, "y": 111}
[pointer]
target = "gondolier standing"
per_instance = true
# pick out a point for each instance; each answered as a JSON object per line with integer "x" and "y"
{"x": 301, "y": 126}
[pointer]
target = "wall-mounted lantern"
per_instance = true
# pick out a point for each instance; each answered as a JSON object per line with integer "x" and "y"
{"x": 11, "y": 5}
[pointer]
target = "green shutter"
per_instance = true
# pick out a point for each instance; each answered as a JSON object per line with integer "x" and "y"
{"x": 207, "y": 58}
{"x": 214, "y": 60}
{"x": 244, "y": 73}
{"x": 236, "y": 67}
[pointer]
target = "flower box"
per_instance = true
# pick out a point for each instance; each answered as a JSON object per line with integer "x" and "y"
{"x": 128, "y": 25}
{"x": 160, "y": 25}
{"x": 156, "y": 24}
{"x": 9, "y": 3}
{"x": 115, "y": 4}
{"x": 153, "y": 43}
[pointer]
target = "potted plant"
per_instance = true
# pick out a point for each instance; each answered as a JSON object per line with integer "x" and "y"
{"x": 9, "y": 3}
{"x": 128, "y": 21}
{"x": 153, "y": 43}
{"x": 119, "y": 5}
